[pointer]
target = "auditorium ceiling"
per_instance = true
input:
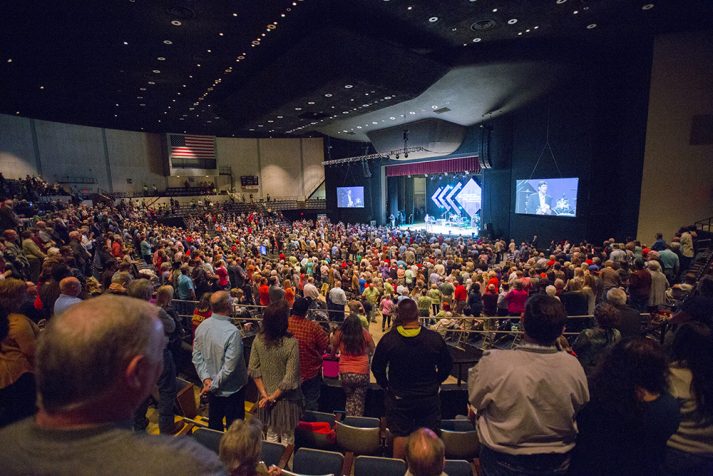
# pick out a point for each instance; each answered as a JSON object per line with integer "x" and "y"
{"x": 284, "y": 68}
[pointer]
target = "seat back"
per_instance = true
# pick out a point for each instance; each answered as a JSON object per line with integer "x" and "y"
{"x": 457, "y": 425}
{"x": 461, "y": 444}
{"x": 208, "y": 438}
{"x": 365, "y": 441}
{"x": 271, "y": 452}
{"x": 458, "y": 467}
{"x": 186, "y": 399}
{"x": 362, "y": 422}
{"x": 313, "y": 416}
{"x": 311, "y": 461}
{"x": 377, "y": 466}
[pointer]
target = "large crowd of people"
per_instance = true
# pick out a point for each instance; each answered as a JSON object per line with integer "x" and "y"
{"x": 605, "y": 400}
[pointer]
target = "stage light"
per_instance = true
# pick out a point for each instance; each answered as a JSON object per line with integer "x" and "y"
{"x": 466, "y": 172}
{"x": 446, "y": 174}
{"x": 425, "y": 175}
{"x": 406, "y": 155}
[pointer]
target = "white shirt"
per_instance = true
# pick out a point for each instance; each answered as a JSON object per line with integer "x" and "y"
{"x": 527, "y": 399}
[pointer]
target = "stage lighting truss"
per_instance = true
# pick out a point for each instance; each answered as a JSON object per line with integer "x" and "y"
{"x": 358, "y": 158}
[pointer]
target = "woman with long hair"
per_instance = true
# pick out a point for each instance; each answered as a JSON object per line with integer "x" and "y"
{"x": 690, "y": 450}
{"x": 240, "y": 449}
{"x": 624, "y": 428}
{"x": 275, "y": 368}
{"x": 355, "y": 345}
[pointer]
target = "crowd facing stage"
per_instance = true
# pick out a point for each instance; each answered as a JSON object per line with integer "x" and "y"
{"x": 620, "y": 386}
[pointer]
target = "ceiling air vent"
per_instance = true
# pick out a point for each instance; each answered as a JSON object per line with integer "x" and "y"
{"x": 441, "y": 110}
{"x": 484, "y": 25}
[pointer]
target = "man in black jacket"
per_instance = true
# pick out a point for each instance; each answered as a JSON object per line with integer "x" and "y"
{"x": 418, "y": 361}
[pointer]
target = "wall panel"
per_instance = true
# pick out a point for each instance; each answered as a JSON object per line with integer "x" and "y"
{"x": 17, "y": 155}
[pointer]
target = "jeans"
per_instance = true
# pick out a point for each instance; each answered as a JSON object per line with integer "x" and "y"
{"x": 231, "y": 407}
{"x": 311, "y": 389}
{"x": 166, "y": 397}
{"x": 494, "y": 463}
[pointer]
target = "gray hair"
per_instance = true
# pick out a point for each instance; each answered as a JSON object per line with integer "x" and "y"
{"x": 240, "y": 446}
{"x": 616, "y": 296}
{"x": 140, "y": 289}
{"x": 86, "y": 349}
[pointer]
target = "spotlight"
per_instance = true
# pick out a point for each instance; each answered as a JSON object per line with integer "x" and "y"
{"x": 405, "y": 155}
{"x": 425, "y": 175}
{"x": 466, "y": 172}
{"x": 446, "y": 174}
{"x": 397, "y": 156}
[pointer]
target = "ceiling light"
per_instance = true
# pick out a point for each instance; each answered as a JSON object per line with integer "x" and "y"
{"x": 348, "y": 86}
{"x": 527, "y": 31}
{"x": 42, "y": 87}
{"x": 161, "y": 58}
{"x": 560, "y": 2}
{"x": 17, "y": 113}
{"x": 117, "y": 104}
{"x": 269, "y": 120}
{"x": 495, "y": 10}
{"x": 116, "y": 115}
{"x": 235, "y": 14}
{"x": 310, "y": 103}
{"x": 167, "y": 42}
{"x": 409, "y": 8}
{"x": 392, "y": 118}
{"x": 412, "y": 113}
{"x": 591, "y": 26}
{"x": 512, "y": 21}
{"x": 358, "y": 127}
{"x": 156, "y": 71}
{"x": 176, "y": 22}
{"x": 280, "y": 117}
{"x": 537, "y": 26}
{"x": 126, "y": 43}
{"x": 9, "y": 60}
{"x": 209, "y": 51}
{"x": 648, "y": 6}
{"x": 298, "y": 109}
{"x": 477, "y": 40}
{"x": 387, "y": 97}
{"x": 142, "y": 104}
{"x": 328, "y": 95}
{"x": 433, "y": 19}
{"x": 374, "y": 122}
{"x": 221, "y": 34}
{"x": 575, "y": 12}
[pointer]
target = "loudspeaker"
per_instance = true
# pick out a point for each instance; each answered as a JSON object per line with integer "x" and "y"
{"x": 490, "y": 230}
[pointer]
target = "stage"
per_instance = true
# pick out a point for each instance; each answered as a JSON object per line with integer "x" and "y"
{"x": 442, "y": 228}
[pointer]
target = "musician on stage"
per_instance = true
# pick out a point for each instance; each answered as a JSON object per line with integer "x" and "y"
{"x": 540, "y": 203}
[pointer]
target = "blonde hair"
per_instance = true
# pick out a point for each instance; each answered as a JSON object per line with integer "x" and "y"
{"x": 240, "y": 446}
{"x": 164, "y": 294}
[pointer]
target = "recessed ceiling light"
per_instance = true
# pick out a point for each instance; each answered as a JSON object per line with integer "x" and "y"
{"x": 117, "y": 104}
{"x": 235, "y": 14}
{"x": 591, "y": 26}
{"x": 209, "y": 51}
{"x": 116, "y": 115}
{"x": 536, "y": 27}
{"x": 374, "y": 122}
{"x": 345, "y": 112}
{"x": 221, "y": 34}
{"x": 387, "y": 97}
{"x": 477, "y": 40}
{"x": 9, "y": 60}
{"x": 392, "y": 118}
{"x": 42, "y": 87}
{"x": 139, "y": 97}
{"x": 298, "y": 109}
{"x": 647, "y": 6}
{"x": 527, "y": 31}
{"x": 433, "y": 19}
{"x": 142, "y": 104}
{"x": 328, "y": 95}
{"x": 512, "y": 21}
{"x": 156, "y": 71}
{"x": 519, "y": 33}
{"x": 269, "y": 120}
{"x": 152, "y": 82}
{"x": 358, "y": 127}
{"x": 167, "y": 42}
{"x": 575, "y": 12}
{"x": 161, "y": 58}
{"x": 348, "y": 86}
{"x": 560, "y": 2}
{"x": 126, "y": 43}
{"x": 310, "y": 103}
{"x": 409, "y": 7}
{"x": 495, "y": 10}
{"x": 17, "y": 113}
{"x": 176, "y": 22}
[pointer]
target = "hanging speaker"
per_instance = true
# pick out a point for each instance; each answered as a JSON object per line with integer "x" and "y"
{"x": 484, "y": 154}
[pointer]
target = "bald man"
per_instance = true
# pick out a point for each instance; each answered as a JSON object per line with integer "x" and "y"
{"x": 220, "y": 364}
{"x": 95, "y": 364}
{"x": 69, "y": 290}
{"x": 425, "y": 454}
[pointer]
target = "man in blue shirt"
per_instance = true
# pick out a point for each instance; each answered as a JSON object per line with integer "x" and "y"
{"x": 219, "y": 361}
{"x": 186, "y": 291}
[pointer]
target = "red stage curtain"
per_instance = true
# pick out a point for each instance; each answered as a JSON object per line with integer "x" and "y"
{"x": 435, "y": 167}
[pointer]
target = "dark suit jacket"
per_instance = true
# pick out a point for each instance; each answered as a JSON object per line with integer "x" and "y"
{"x": 533, "y": 202}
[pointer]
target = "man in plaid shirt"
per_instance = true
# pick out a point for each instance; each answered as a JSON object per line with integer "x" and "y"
{"x": 313, "y": 342}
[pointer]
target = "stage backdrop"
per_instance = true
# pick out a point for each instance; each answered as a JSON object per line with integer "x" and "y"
{"x": 452, "y": 196}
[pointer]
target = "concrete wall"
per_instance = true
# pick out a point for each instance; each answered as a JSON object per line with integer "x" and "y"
{"x": 287, "y": 168}
{"x": 677, "y": 182}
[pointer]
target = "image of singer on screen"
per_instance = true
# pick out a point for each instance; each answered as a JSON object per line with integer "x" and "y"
{"x": 350, "y": 197}
{"x": 540, "y": 203}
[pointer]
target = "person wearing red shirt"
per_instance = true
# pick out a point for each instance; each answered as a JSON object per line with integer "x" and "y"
{"x": 264, "y": 292}
{"x": 313, "y": 342}
{"x": 461, "y": 296}
{"x": 516, "y": 299}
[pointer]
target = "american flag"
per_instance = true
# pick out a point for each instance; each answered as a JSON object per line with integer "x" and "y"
{"x": 192, "y": 146}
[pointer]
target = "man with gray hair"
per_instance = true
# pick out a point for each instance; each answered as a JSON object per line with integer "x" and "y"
{"x": 630, "y": 319}
{"x": 69, "y": 290}
{"x": 95, "y": 364}
{"x": 220, "y": 364}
